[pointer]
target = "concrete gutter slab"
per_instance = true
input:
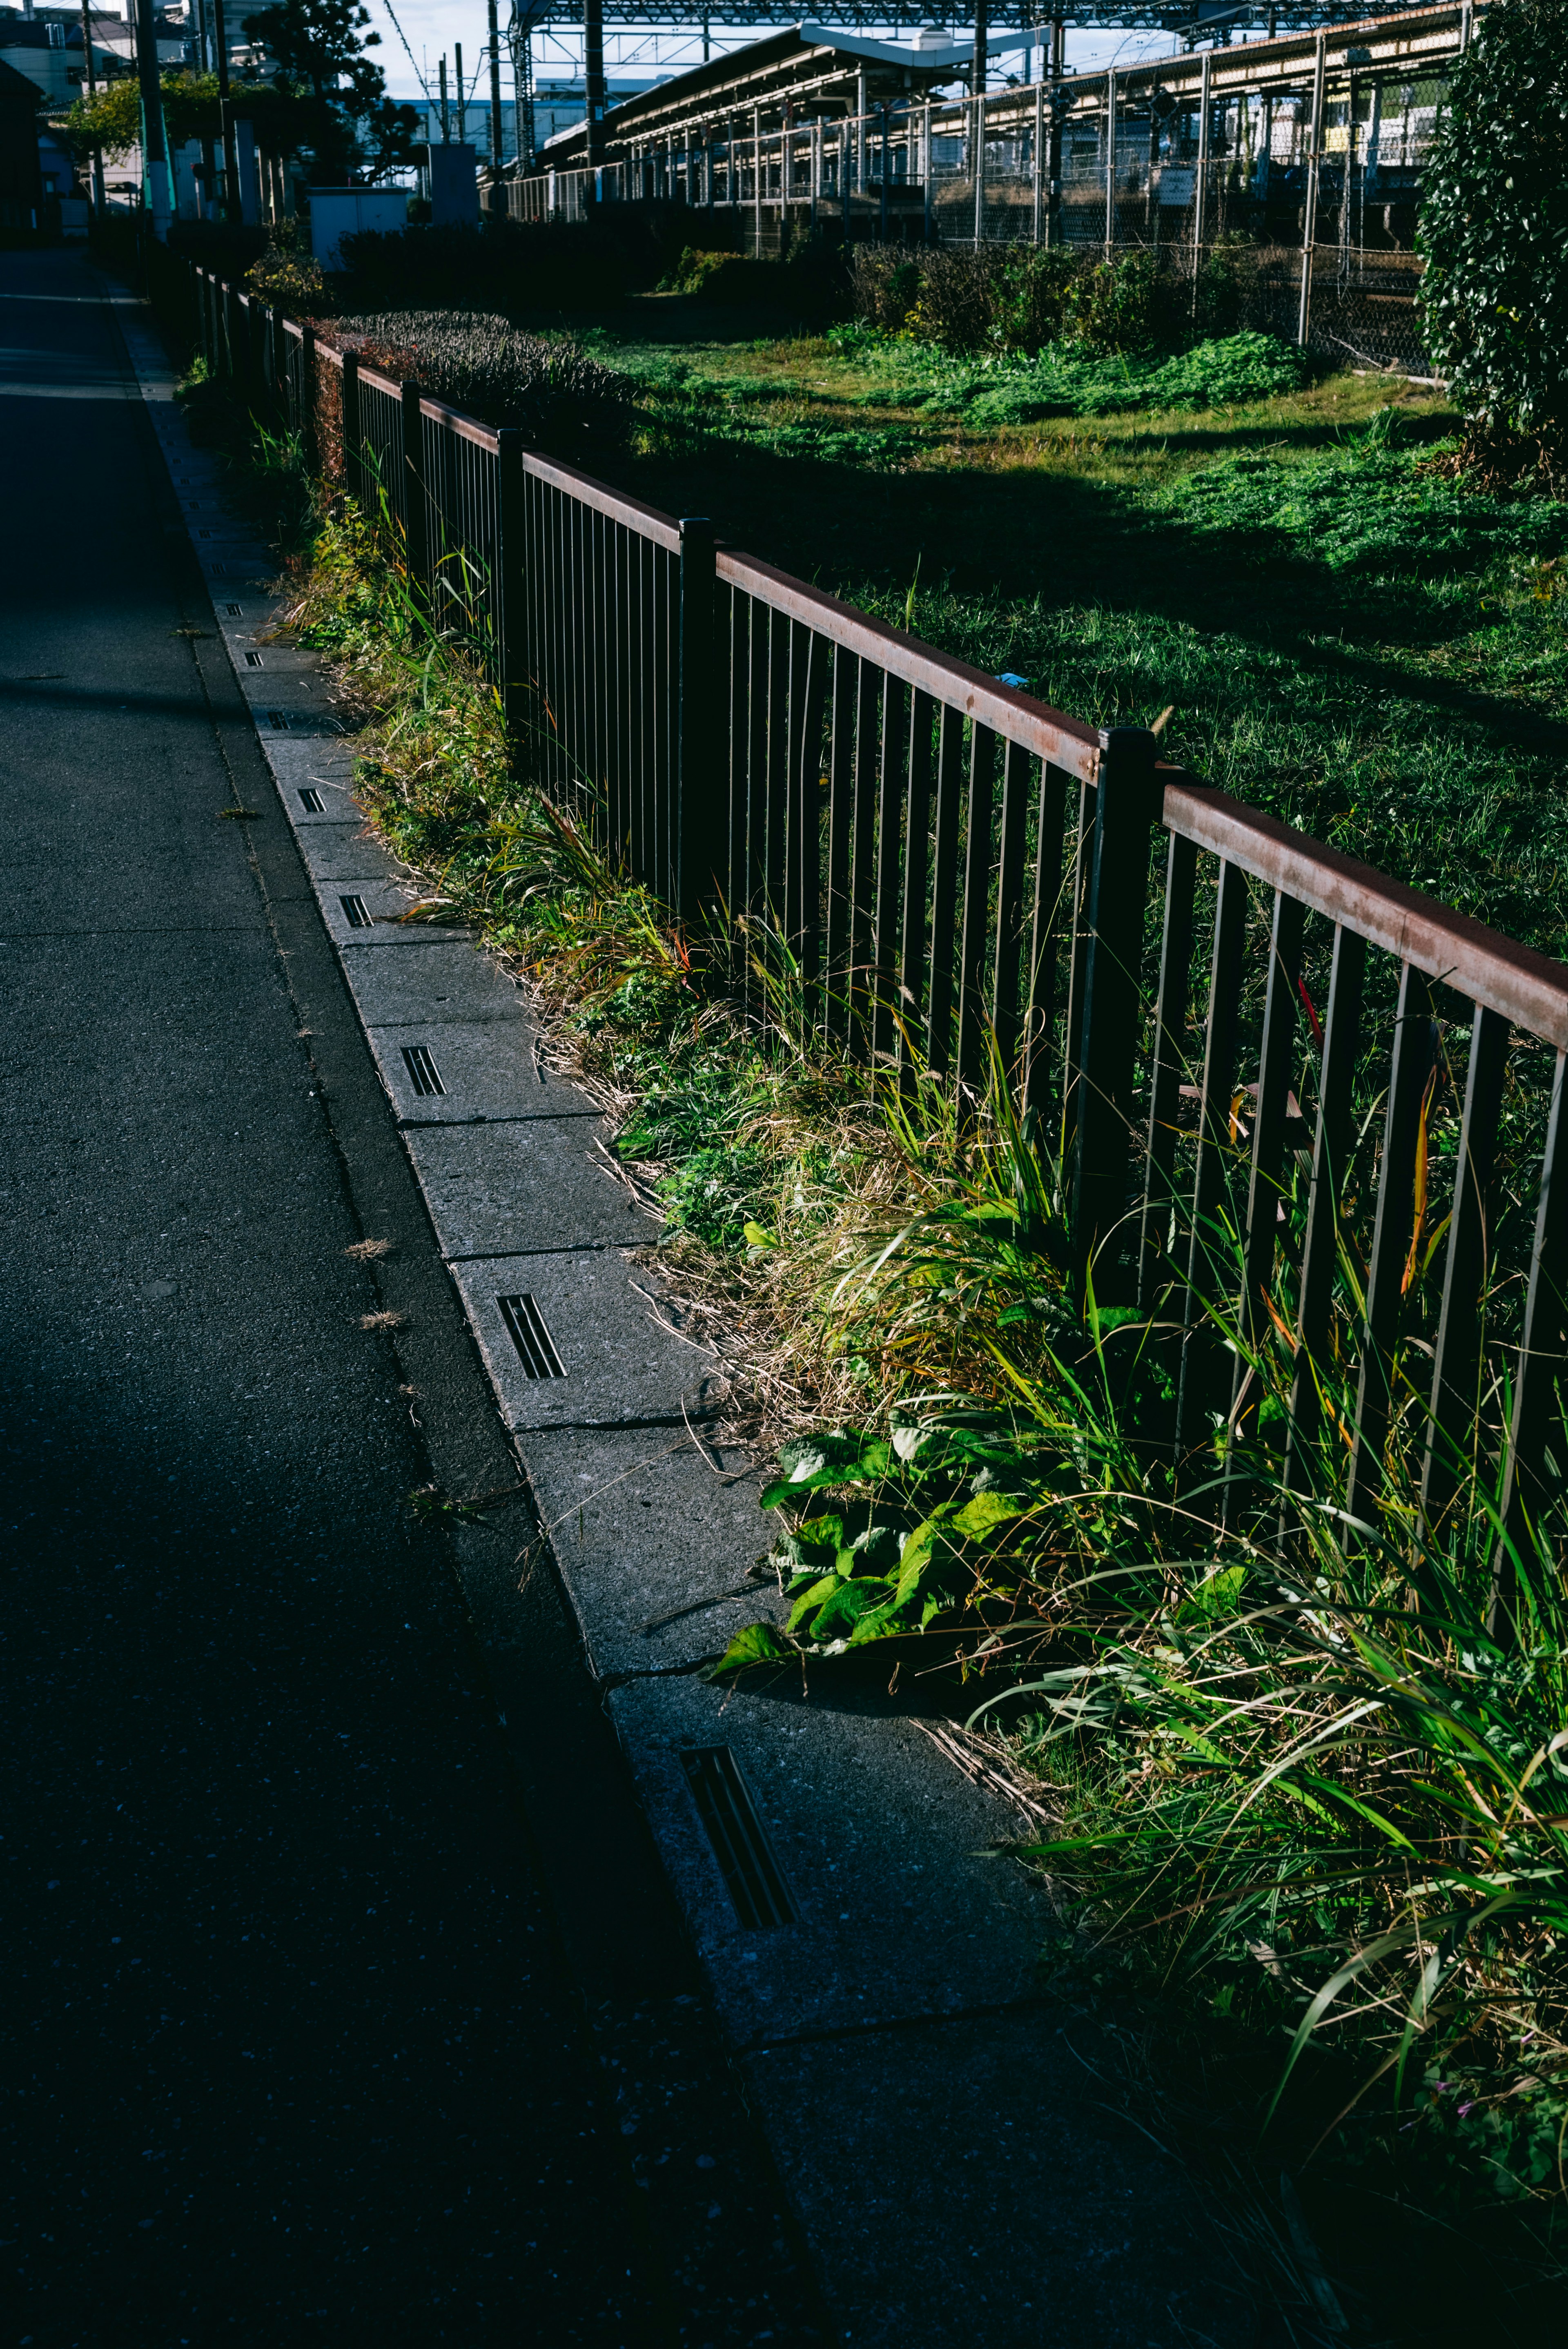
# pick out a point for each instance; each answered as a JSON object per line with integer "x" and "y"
{"x": 347, "y": 852}
{"x": 519, "y": 1188}
{"x": 643, "y": 1524}
{"x": 879, "y": 1840}
{"x": 385, "y": 903}
{"x": 622, "y": 1370}
{"x": 487, "y": 1067}
{"x": 448, "y": 977}
{"x": 995, "y": 2197}
{"x": 308, "y": 763}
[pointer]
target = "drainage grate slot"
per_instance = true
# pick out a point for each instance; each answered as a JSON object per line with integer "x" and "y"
{"x": 423, "y": 1073}
{"x": 313, "y": 803}
{"x": 277, "y": 721}
{"x": 233, "y": 610}
{"x": 203, "y": 534}
{"x": 727, "y": 1810}
{"x": 356, "y": 912}
{"x": 252, "y": 660}
{"x": 535, "y": 1346}
{"x": 217, "y": 571}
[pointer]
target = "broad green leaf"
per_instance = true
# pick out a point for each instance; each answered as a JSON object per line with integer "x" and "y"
{"x": 985, "y": 1512}
{"x": 757, "y": 1643}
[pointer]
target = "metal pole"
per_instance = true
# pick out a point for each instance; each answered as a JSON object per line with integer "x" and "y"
{"x": 230, "y": 207}
{"x": 1309, "y": 210}
{"x": 881, "y": 221}
{"x": 926, "y": 166}
{"x": 157, "y": 178}
{"x": 1200, "y": 193}
{"x": 757, "y": 179}
{"x": 91, "y": 73}
{"x": 979, "y": 161}
{"x": 495, "y": 88}
{"x": 1110, "y": 160}
{"x": 446, "y": 117}
{"x": 593, "y": 77}
{"x": 1054, "y": 137}
{"x": 463, "y": 109}
{"x": 1041, "y": 173}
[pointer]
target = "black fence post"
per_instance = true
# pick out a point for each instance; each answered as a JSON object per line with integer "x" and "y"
{"x": 511, "y": 585}
{"x": 310, "y": 438}
{"x": 1127, "y": 806}
{"x": 412, "y": 499}
{"x": 280, "y": 365}
{"x": 352, "y": 468}
{"x": 700, "y": 836}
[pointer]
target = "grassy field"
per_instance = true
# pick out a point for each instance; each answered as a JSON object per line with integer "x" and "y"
{"x": 1350, "y": 638}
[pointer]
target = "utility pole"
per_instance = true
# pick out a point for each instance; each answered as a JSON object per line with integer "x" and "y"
{"x": 231, "y": 208}
{"x": 155, "y": 173}
{"x": 495, "y": 88}
{"x": 90, "y": 75}
{"x": 593, "y": 78}
{"x": 441, "y": 76}
{"x": 462, "y": 95}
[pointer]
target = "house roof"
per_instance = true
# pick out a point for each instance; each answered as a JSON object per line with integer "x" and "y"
{"x": 17, "y": 88}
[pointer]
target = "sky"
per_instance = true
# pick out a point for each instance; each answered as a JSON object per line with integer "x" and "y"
{"x": 434, "y": 26}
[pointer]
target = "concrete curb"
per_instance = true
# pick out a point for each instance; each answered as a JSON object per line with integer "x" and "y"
{"x": 953, "y": 2167}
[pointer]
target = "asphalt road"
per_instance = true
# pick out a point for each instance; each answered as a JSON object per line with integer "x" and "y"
{"x": 292, "y": 2047}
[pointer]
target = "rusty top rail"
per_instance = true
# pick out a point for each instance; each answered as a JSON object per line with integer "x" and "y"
{"x": 1016, "y": 717}
{"x": 614, "y": 504}
{"x": 1529, "y": 989}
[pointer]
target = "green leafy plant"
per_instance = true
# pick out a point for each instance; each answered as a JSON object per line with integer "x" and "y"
{"x": 1494, "y": 230}
{"x": 547, "y": 385}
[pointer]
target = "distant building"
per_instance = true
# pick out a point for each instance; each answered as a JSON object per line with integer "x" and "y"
{"x": 557, "y": 105}
{"x": 46, "y": 45}
{"x": 21, "y": 189}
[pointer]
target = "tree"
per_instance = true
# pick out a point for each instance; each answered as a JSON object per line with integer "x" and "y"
{"x": 317, "y": 48}
{"x": 1494, "y": 230}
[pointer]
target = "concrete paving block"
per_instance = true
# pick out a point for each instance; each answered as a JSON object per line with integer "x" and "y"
{"x": 618, "y": 1368}
{"x": 302, "y": 764}
{"x": 532, "y": 1184}
{"x": 347, "y": 852}
{"x": 450, "y": 978}
{"x": 991, "y": 2198}
{"x": 642, "y": 1525}
{"x": 878, "y": 1840}
{"x": 486, "y": 1067}
{"x": 372, "y": 923}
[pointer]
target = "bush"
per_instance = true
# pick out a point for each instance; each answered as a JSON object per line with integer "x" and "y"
{"x": 1130, "y": 304}
{"x": 288, "y": 276}
{"x": 1494, "y": 229}
{"x": 548, "y": 385}
{"x": 1023, "y": 297}
{"x": 807, "y": 281}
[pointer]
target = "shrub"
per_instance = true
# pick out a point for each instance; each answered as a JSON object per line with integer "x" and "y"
{"x": 1126, "y": 305}
{"x": 1494, "y": 228}
{"x": 287, "y": 275}
{"x": 548, "y": 385}
{"x": 1031, "y": 294}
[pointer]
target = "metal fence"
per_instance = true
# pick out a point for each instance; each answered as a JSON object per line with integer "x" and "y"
{"x": 1298, "y": 163}
{"x": 1280, "y": 1084}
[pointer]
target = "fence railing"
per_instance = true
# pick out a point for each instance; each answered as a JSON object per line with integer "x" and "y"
{"x": 957, "y": 880}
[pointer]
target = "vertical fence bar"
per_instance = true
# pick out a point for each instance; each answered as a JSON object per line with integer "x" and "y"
{"x": 701, "y": 830}
{"x": 1275, "y": 1062}
{"x": 840, "y": 845}
{"x": 942, "y": 992}
{"x": 1454, "y": 1402}
{"x": 973, "y": 958}
{"x": 862, "y": 868}
{"x": 1414, "y": 1042}
{"x": 1168, "y": 1059}
{"x": 893, "y": 784}
{"x": 916, "y": 874}
{"x": 1016, "y": 777}
{"x": 739, "y": 893}
{"x": 806, "y": 820}
{"x": 1127, "y": 808}
{"x": 512, "y": 565}
{"x": 1330, "y": 1156}
{"x": 1209, "y": 1245}
{"x": 411, "y": 499}
{"x": 1528, "y": 1485}
{"x": 352, "y": 451}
